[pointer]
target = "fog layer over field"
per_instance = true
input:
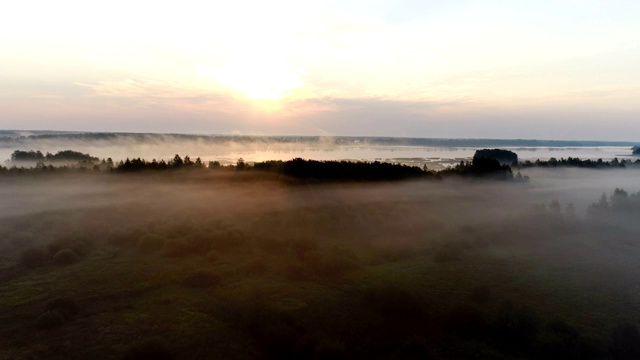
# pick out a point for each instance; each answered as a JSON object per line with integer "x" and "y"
{"x": 567, "y": 185}
{"x": 246, "y": 265}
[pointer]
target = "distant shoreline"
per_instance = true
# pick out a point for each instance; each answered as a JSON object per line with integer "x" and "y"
{"x": 13, "y": 137}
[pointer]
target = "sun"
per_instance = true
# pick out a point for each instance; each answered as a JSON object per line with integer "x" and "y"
{"x": 262, "y": 81}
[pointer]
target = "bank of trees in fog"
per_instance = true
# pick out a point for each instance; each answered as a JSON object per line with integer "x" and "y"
{"x": 60, "y": 156}
{"x": 619, "y": 203}
{"x": 576, "y": 162}
{"x": 295, "y": 168}
{"x": 495, "y": 164}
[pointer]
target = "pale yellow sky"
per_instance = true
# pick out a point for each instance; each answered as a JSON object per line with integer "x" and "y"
{"x": 382, "y": 67}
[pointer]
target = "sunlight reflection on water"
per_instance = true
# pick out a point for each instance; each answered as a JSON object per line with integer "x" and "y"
{"x": 433, "y": 157}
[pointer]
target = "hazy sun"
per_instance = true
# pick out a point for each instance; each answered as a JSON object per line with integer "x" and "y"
{"x": 259, "y": 82}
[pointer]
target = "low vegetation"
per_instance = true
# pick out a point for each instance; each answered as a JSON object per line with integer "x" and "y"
{"x": 217, "y": 263}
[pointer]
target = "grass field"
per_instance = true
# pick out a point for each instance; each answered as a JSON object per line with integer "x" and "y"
{"x": 230, "y": 266}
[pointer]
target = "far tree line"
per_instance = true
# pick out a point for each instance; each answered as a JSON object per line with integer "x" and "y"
{"x": 64, "y": 155}
{"x": 496, "y": 164}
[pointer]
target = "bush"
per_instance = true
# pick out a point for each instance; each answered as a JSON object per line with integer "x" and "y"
{"x": 227, "y": 240}
{"x": 413, "y": 348}
{"x": 33, "y": 257}
{"x": 448, "y": 253}
{"x": 179, "y": 248}
{"x": 516, "y": 328}
{"x": 150, "y": 349}
{"x": 334, "y": 262}
{"x": 202, "y": 279}
{"x": 123, "y": 238}
{"x": 195, "y": 244}
{"x": 625, "y": 342}
{"x": 466, "y": 321}
{"x": 393, "y": 304}
{"x": 66, "y": 307}
{"x": 278, "y": 334}
{"x": 255, "y": 267}
{"x": 300, "y": 247}
{"x": 562, "y": 341}
{"x": 150, "y": 243}
{"x": 295, "y": 272}
{"x": 80, "y": 244}
{"x": 480, "y": 295}
{"x": 50, "y": 320}
{"x": 65, "y": 257}
{"x": 212, "y": 257}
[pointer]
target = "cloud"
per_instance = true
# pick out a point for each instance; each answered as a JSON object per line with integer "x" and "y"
{"x": 138, "y": 88}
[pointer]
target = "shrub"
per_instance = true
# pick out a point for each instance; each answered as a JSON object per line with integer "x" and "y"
{"x": 255, "y": 267}
{"x": 301, "y": 247}
{"x": 413, "y": 348}
{"x": 227, "y": 240}
{"x": 466, "y": 321}
{"x": 80, "y": 244}
{"x": 516, "y": 328}
{"x": 124, "y": 238}
{"x": 195, "y": 244}
{"x": 625, "y": 342}
{"x": 393, "y": 304}
{"x": 480, "y": 294}
{"x": 447, "y": 254}
{"x": 202, "y": 279}
{"x": 179, "y": 248}
{"x": 212, "y": 257}
{"x": 33, "y": 257}
{"x": 66, "y": 307}
{"x": 150, "y": 243}
{"x": 562, "y": 341}
{"x": 332, "y": 263}
{"x": 295, "y": 272}
{"x": 278, "y": 334}
{"x": 65, "y": 257}
{"x": 150, "y": 349}
{"x": 50, "y": 320}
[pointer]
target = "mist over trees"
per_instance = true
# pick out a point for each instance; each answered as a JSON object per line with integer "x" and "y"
{"x": 576, "y": 162}
{"x": 191, "y": 263}
{"x": 64, "y": 155}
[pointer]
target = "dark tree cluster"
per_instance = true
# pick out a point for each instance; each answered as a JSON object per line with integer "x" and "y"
{"x": 64, "y": 155}
{"x": 342, "y": 170}
{"x": 295, "y": 168}
{"x": 505, "y": 157}
{"x": 619, "y": 203}
{"x": 138, "y": 164}
{"x": 481, "y": 167}
{"x": 577, "y": 162}
{"x": 30, "y": 155}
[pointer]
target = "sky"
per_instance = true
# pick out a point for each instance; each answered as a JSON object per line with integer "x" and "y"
{"x": 564, "y": 69}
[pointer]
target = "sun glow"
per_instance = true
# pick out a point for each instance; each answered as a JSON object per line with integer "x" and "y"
{"x": 256, "y": 81}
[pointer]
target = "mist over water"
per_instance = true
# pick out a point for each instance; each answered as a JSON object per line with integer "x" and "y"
{"x": 434, "y": 153}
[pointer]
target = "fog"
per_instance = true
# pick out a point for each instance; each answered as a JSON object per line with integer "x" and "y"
{"x": 434, "y": 153}
{"x": 579, "y": 186}
{"x": 253, "y": 265}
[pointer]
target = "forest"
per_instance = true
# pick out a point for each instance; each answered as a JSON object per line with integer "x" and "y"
{"x": 317, "y": 260}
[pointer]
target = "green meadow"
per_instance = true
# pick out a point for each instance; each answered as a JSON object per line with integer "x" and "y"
{"x": 237, "y": 266}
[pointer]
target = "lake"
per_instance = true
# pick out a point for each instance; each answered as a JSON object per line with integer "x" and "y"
{"x": 228, "y": 149}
